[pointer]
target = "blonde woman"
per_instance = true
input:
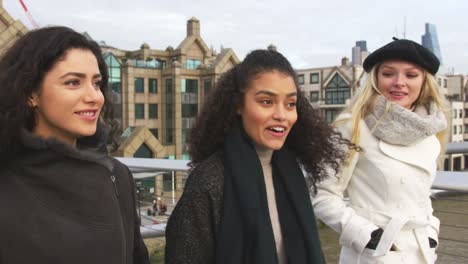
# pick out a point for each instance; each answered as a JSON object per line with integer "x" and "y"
{"x": 397, "y": 122}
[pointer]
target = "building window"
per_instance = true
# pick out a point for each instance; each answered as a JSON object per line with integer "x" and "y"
{"x": 153, "y": 111}
{"x": 314, "y": 96}
{"x": 139, "y": 85}
{"x": 153, "y": 86}
{"x": 460, "y": 129}
{"x": 150, "y": 63}
{"x": 331, "y": 114}
{"x": 139, "y": 111}
{"x": 193, "y": 64}
{"x": 169, "y": 137}
{"x": 314, "y": 78}
{"x": 337, "y": 91}
{"x": 115, "y": 84}
{"x": 185, "y": 135}
{"x": 143, "y": 152}
{"x": 115, "y": 79}
{"x": 445, "y": 83}
{"x": 155, "y": 132}
{"x": 454, "y": 130}
{"x": 167, "y": 182}
{"x": 207, "y": 86}
{"x": 189, "y": 86}
{"x": 460, "y": 113}
{"x": 300, "y": 78}
{"x": 454, "y": 113}
{"x": 189, "y": 110}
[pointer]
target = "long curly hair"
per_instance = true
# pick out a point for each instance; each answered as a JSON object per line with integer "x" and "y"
{"x": 22, "y": 71}
{"x": 315, "y": 143}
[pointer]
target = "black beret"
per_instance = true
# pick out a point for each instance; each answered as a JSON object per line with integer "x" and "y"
{"x": 405, "y": 50}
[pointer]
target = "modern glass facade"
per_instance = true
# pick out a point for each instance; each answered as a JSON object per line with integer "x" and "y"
{"x": 430, "y": 41}
{"x": 115, "y": 84}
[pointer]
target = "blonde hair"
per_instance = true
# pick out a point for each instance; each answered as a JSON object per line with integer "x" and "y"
{"x": 363, "y": 103}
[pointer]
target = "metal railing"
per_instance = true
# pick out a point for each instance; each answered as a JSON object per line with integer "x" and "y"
{"x": 450, "y": 202}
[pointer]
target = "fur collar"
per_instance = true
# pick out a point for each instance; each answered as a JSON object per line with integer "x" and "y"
{"x": 92, "y": 148}
{"x": 397, "y": 125}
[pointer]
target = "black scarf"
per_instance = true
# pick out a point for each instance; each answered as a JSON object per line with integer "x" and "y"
{"x": 245, "y": 234}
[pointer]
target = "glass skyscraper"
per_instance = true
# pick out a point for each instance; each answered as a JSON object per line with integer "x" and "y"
{"x": 431, "y": 42}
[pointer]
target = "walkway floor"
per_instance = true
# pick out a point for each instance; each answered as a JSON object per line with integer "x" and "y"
{"x": 451, "y": 209}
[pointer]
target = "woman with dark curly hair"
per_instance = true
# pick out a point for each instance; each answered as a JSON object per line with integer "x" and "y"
{"x": 63, "y": 199}
{"x": 246, "y": 199}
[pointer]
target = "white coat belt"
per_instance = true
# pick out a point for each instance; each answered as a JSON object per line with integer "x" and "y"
{"x": 392, "y": 225}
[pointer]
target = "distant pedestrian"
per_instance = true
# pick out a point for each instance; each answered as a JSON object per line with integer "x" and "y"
{"x": 155, "y": 208}
{"x": 163, "y": 208}
{"x": 398, "y": 123}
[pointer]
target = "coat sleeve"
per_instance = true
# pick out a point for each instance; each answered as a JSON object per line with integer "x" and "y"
{"x": 329, "y": 206}
{"x": 190, "y": 232}
{"x": 140, "y": 252}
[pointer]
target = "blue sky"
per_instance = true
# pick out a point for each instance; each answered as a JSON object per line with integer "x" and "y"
{"x": 309, "y": 33}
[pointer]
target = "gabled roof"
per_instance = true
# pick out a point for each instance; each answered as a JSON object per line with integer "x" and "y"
{"x": 223, "y": 57}
{"x": 189, "y": 41}
{"x": 336, "y": 70}
{"x": 133, "y": 137}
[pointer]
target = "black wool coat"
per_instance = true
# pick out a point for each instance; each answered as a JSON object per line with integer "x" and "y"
{"x": 60, "y": 204}
{"x": 193, "y": 227}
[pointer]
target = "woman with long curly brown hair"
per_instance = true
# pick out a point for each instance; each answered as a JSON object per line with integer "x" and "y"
{"x": 246, "y": 199}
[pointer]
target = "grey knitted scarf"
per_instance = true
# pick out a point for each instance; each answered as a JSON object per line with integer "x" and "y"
{"x": 401, "y": 126}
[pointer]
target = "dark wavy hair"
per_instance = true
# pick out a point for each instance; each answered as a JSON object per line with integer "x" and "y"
{"x": 315, "y": 143}
{"x": 22, "y": 71}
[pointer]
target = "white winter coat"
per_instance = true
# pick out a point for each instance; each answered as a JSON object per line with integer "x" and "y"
{"x": 388, "y": 187}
